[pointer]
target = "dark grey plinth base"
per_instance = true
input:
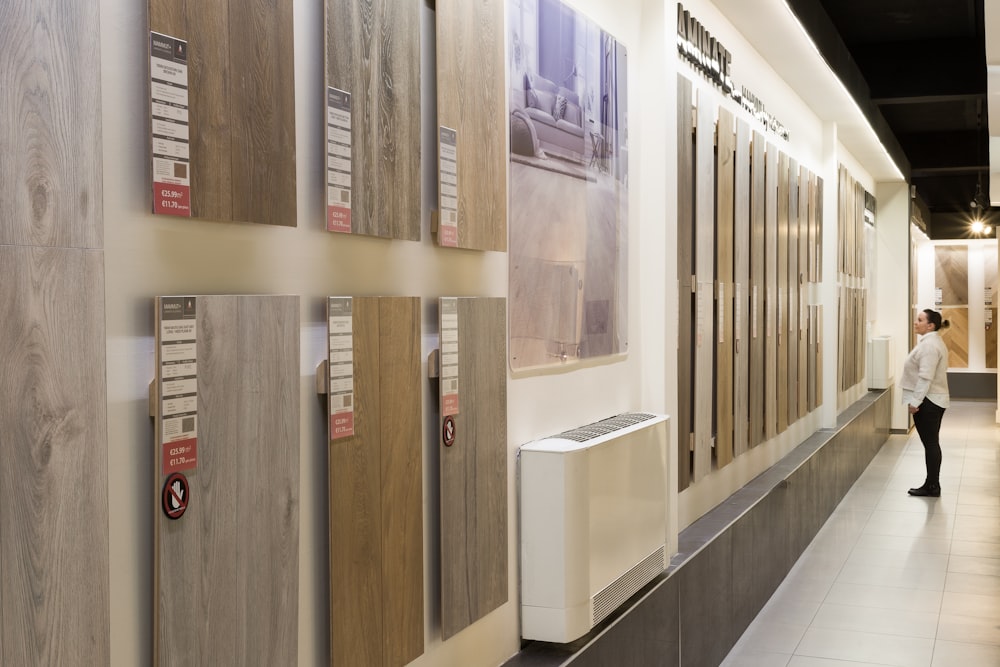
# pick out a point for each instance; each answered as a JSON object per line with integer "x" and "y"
{"x": 730, "y": 561}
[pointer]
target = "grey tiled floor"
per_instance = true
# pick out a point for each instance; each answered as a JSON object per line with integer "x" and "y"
{"x": 896, "y": 580}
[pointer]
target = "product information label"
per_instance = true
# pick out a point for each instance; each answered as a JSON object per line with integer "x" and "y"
{"x": 448, "y": 187}
{"x": 338, "y": 161}
{"x": 341, "y": 364}
{"x": 168, "y": 73}
{"x": 449, "y": 357}
{"x": 178, "y": 360}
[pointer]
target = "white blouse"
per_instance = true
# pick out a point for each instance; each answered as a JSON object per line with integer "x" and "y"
{"x": 925, "y": 372}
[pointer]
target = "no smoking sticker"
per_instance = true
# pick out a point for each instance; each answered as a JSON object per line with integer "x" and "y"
{"x": 175, "y": 496}
{"x": 448, "y": 431}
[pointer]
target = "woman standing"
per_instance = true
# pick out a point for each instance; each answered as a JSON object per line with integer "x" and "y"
{"x": 925, "y": 392}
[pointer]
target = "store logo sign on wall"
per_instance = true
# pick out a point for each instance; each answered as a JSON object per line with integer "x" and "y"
{"x": 714, "y": 61}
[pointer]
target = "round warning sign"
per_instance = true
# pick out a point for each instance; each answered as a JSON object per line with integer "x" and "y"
{"x": 448, "y": 431}
{"x": 175, "y": 496}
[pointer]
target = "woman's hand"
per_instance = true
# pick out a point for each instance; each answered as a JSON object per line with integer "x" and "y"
{"x": 913, "y": 409}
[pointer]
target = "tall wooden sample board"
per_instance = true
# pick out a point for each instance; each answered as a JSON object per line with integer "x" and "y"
{"x": 802, "y": 278}
{"x": 956, "y": 336}
{"x": 227, "y": 497}
{"x": 473, "y": 460}
{"x": 725, "y": 184}
{"x": 770, "y": 327}
{"x": 54, "y": 586}
{"x": 685, "y": 280}
{"x": 373, "y": 69}
{"x": 704, "y": 267}
{"x": 240, "y": 106}
{"x": 758, "y": 292}
{"x": 376, "y": 474}
{"x": 741, "y": 291}
{"x": 782, "y": 288}
{"x": 472, "y": 120}
{"x": 951, "y": 274}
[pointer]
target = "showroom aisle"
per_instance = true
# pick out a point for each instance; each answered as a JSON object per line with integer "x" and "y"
{"x": 896, "y": 580}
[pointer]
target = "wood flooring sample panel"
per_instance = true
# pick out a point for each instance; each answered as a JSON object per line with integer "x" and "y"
{"x": 50, "y": 137}
{"x": 956, "y": 336}
{"x": 685, "y": 279}
{"x": 373, "y": 53}
{"x": 241, "y": 105}
{"x": 782, "y": 293}
{"x": 770, "y": 325}
{"x": 704, "y": 260}
{"x": 724, "y": 208}
{"x": 53, "y": 472}
{"x": 226, "y": 571}
{"x": 474, "y": 467}
{"x": 801, "y": 325}
{"x": 741, "y": 291}
{"x": 951, "y": 274}
{"x": 991, "y": 338}
{"x": 376, "y": 493}
{"x": 758, "y": 290}
{"x": 792, "y": 329}
{"x": 472, "y": 101}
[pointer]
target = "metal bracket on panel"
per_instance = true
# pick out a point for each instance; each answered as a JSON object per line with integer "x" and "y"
{"x": 323, "y": 378}
{"x": 152, "y": 399}
{"x": 435, "y": 218}
{"x": 434, "y": 364}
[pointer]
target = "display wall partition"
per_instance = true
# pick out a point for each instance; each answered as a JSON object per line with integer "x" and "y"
{"x": 372, "y": 380}
{"x": 54, "y": 578}
{"x": 223, "y": 111}
{"x": 225, "y": 496}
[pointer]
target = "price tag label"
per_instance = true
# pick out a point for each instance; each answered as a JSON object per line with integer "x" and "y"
{"x": 448, "y": 187}
{"x": 449, "y": 356}
{"x": 168, "y": 73}
{"x": 178, "y": 393}
{"x": 341, "y": 365}
{"x": 338, "y": 161}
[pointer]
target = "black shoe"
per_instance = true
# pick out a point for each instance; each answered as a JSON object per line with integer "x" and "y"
{"x": 928, "y": 490}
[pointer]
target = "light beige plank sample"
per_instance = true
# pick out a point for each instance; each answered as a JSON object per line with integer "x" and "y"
{"x": 471, "y": 101}
{"x": 53, "y": 474}
{"x": 376, "y": 499}
{"x": 956, "y": 336}
{"x": 792, "y": 330}
{"x": 704, "y": 266}
{"x": 770, "y": 322}
{"x": 725, "y": 174}
{"x": 226, "y": 572}
{"x": 758, "y": 291}
{"x": 951, "y": 274}
{"x": 801, "y": 326}
{"x": 241, "y": 106}
{"x": 782, "y": 287}
{"x": 685, "y": 281}
{"x": 50, "y": 75}
{"x": 741, "y": 291}
{"x": 474, "y": 471}
{"x": 373, "y": 53}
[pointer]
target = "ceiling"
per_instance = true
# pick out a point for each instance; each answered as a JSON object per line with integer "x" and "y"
{"x": 923, "y": 66}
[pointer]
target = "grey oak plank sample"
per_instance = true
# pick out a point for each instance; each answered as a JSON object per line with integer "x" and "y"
{"x": 770, "y": 327}
{"x": 50, "y": 138}
{"x": 801, "y": 326}
{"x": 725, "y": 205}
{"x": 704, "y": 266}
{"x": 373, "y": 53}
{"x": 782, "y": 286}
{"x": 741, "y": 291}
{"x": 474, "y": 472}
{"x": 471, "y": 100}
{"x": 758, "y": 290}
{"x": 951, "y": 274}
{"x": 792, "y": 330}
{"x": 376, "y": 498}
{"x": 685, "y": 280}
{"x": 241, "y": 106}
{"x": 226, "y": 572}
{"x": 54, "y": 588}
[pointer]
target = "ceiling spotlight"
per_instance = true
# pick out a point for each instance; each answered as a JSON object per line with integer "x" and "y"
{"x": 977, "y": 227}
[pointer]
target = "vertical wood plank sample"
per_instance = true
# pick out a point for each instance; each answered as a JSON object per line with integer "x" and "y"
{"x": 53, "y": 474}
{"x": 685, "y": 280}
{"x": 704, "y": 266}
{"x": 951, "y": 274}
{"x": 373, "y": 53}
{"x": 474, "y": 472}
{"x": 782, "y": 319}
{"x": 801, "y": 325}
{"x": 50, "y": 136}
{"x": 819, "y": 355}
{"x": 792, "y": 330}
{"x": 811, "y": 360}
{"x": 376, "y": 499}
{"x": 226, "y": 572}
{"x": 758, "y": 290}
{"x": 956, "y": 336}
{"x": 991, "y": 339}
{"x": 770, "y": 327}
{"x": 724, "y": 202}
{"x": 241, "y": 106}
{"x": 741, "y": 299}
{"x": 818, "y": 242}
{"x": 470, "y": 76}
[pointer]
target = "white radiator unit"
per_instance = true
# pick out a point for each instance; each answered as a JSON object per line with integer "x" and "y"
{"x": 593, "y": 517}
{"x": 880, "y": 362}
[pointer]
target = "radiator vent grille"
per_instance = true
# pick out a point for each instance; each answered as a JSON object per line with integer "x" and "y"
{"x": 626, "y": 585}
{"x": 605, "y": 426}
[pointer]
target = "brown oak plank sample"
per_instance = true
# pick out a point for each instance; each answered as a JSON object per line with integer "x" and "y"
{"x": 685, "y": 280}
{"x": 50, "y": 137}
{"x": 373, "y": 52}
{"x": 241, "y": 106}
{"x": 991, "y": 339}
{"x": 792, "y": 330}
{"x": 758, "y": 290}
{"x": 801, "y": 326}
{"x": 474, "y": 472}
{"x": 471, "y": 100}
{"x": 226, "y": 572}
{"x": 818, "y": 241}
{"x": 811, "y": 360}
{"x": 741, "y": 290}
{"x": 376, "y": 499}
{"x": 951, "y": 274}
{"x": 704, "y": 261}
{"x": 724, "y": 202}
{"x": 782, "y": 316}
{"x": 770, "y": 327}
{"x": 956, "y": 336}
{"x": 53, "y": 475}
{"x": 819, "y": 355}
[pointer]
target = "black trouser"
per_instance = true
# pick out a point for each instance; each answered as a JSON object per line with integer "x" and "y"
{"x": 928, "y": 422}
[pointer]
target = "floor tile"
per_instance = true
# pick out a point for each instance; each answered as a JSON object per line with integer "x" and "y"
{"x": 866, "y": 647}
{"x": 904, "y": 623}
{"x": 969, "y": 629}
{"x": 971, "y": 604}
{"x": 755, "y": 659}
{"x": 974, "y": 565}
{"x": 885, "y": 597}
{"x": 804, "y": 661}
{"x": 979, "y": 584}
{"x": 956, "y": 654}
